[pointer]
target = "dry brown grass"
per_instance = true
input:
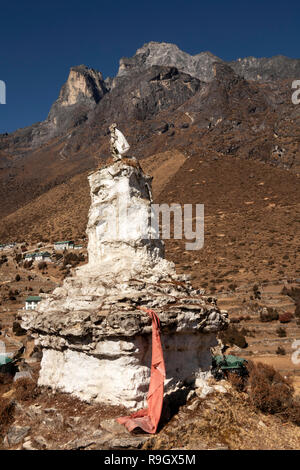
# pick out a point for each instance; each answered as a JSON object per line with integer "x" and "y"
{"x": 238, "y": 383}
{"x": 226, "y": 419}
{"x": 25, "y": 390}
{"x": 293, "y": 412}
{"x": 6, "y": 415}
{"x": 5, "y": 379}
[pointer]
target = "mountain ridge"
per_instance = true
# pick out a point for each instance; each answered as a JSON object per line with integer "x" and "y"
{"x": 198, "y": 65}
{"x": 159, "y": 108}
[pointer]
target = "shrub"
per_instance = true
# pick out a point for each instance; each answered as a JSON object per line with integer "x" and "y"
{"x": 256, "y": 292}
{"x": 11, "y": 295}
{"x": 268, "y": 390}
{"x": 232, "y": 287}
{"x": 281, "y": 351}
{"x": 285, "y": 317}
{"x": 281, "y": 332}
{"x": 28, "y": 264}
{"x": 294, "y": 293}
{"x": 42, "y": 265}
{"x": 233, "y": 336}
{"x": 237, "y": 381}
{"x": 18, "y": 258}
{"x": 18, "y": 330}
{"x": 18, "y": 278}
{"x": 3, "y": 259}
{"x": 72, "y": 259}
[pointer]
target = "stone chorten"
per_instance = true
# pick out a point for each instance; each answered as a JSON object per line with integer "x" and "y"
{"x": 96, "y": 343}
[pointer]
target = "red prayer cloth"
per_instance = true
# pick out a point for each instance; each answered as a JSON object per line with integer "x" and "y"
{"x": 148, "y": 418}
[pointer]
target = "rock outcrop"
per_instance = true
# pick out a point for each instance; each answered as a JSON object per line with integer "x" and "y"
{"x": 143, "y": 93}
{"x": 96, "y": 342}
{"x": 83, "y": 84}
{"x": 82, "y": 91}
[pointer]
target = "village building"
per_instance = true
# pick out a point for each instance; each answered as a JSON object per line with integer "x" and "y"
{"x": 78, "y": 247}
{"x": 43, "y": 256}
{"x": 29, "y": 256}
{"x": 32, "y": 302}
{"x": 39, "y": 256}
{"x": 63, "y": 246}
{"x": 7, "y": 246}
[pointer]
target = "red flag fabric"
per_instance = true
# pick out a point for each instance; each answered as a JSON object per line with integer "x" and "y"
{"x": 148, "y": 418}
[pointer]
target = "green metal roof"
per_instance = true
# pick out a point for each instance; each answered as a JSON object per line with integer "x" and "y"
{"x": 63, "y": 243}
{"x": 229, "y": 361}
{"x": 33, "y": 298}
{"x": 4, "y": 359}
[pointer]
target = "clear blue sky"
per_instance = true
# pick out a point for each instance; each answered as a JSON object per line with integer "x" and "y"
{"x": 40, "y": 41}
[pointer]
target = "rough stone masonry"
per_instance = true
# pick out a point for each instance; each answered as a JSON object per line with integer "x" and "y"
{"x": 96, "y": 342}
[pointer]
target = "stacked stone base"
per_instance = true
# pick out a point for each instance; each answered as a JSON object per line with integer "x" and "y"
{"x": 120, "y": 374}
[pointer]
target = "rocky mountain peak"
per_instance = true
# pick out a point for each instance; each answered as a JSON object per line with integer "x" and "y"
{"x": 200, "y": 65}
{"x": 83, "y": 84}
{"x": 82, "y": 91}
{"x": 155, "y": 53}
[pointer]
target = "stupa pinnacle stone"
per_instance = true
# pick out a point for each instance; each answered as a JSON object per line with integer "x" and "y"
{"x": 121, "y": 238}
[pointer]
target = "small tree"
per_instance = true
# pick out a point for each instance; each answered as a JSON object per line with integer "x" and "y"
{"x": 256, "y": 291}
{"x": 18, "y": 257}
{"x": 42, "y": 265}
{"x": 28, "y": 264}
{"x": 280, "y": 351}
{"x": 281, "y": 332}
